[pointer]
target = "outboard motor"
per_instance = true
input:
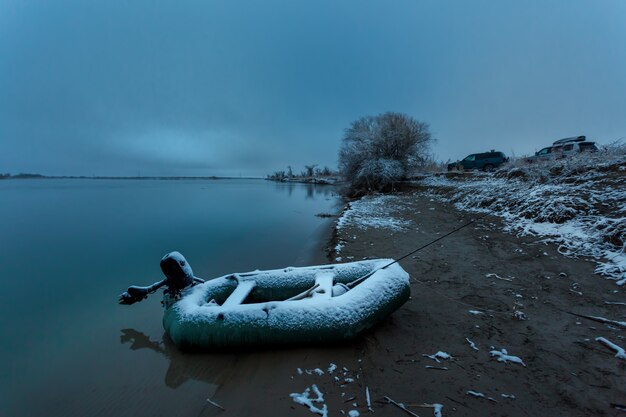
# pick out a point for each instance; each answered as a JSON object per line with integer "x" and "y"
{"x": 178, "y": 276}
{"x": 177, "y": 271}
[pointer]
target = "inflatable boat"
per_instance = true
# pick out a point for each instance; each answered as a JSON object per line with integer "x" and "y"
{"x": 290, "y": 306}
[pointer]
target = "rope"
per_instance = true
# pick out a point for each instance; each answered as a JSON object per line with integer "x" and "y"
{"x": 462, "y": 227}
{"x": 437, "y": 240}
{"x": 363, "y": 278}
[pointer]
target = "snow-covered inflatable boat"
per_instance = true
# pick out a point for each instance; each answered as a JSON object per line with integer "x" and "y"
{"x": 308, "y": 305}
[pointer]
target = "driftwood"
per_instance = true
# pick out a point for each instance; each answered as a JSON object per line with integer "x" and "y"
{"x": 439, "y": 368}
{"x": 619, "y": 352}
{"x": 621, "y": 324}
{"x": 214, "y": 404}
{"x": 400, "y": 406}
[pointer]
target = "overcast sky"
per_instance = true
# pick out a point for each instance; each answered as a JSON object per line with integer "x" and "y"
{"x": 247, "y": 87}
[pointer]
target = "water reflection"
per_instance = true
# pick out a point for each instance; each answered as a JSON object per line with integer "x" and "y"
{"x": 207, "y": 368}
{"x": 311, "y": 190}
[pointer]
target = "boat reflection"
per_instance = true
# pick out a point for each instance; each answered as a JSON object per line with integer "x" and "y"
{"x": 209, "y": 368}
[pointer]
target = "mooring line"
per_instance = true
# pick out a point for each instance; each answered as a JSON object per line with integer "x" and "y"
{"x": 363, "y": 278}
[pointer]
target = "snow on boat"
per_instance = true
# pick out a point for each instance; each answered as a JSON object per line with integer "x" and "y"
{"x": 307, "y": 305}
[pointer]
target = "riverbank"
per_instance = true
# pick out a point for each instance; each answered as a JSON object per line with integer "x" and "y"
{"x": 474, "y": 294}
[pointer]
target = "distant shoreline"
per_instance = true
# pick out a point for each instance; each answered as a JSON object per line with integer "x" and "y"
{"x": 75, "y": 177}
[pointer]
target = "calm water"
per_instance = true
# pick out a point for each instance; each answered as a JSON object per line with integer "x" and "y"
{"x": 69, "y": 247}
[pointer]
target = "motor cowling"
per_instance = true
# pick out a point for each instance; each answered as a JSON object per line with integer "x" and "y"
{"x": 177, "y": 271}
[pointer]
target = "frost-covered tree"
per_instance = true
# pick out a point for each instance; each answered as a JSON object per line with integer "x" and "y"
{"x": 377, "y": 151}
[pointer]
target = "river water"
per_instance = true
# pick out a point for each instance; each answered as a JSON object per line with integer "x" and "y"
{"x": 69, "y": 247}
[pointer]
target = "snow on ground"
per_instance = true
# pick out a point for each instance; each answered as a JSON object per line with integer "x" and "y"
{"x": 503, "y": 356}
{"x": 307, "y": 401}
{"x": 375, "y": 211}
{"x": 578, "y": 203}
{"x": 438, "y": 355}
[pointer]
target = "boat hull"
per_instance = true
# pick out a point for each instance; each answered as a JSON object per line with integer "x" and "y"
{"x": 193, "y": 323}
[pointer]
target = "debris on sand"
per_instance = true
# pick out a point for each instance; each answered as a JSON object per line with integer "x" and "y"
{"x": 400, "y": 406}
{"x": 503, "y": 356}
{"x": 496, "y": 276}
{"x": 214, "y": 404}
{"x": 520, "y": 315}
{"x": 438, "y": 355}
{"x": 603, "y": 320}
{"x": 621, "y": 354}
{"x": 472, "y": 344}
{"x": 480, "y": 395}
{"x": 368, "y": 400}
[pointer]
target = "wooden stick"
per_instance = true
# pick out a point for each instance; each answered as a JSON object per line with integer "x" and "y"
{"x": 401, "y": 406}
{"x": 620, "y": 353}
{"x": 600, "y": 320}
{"x": 213, "y": 403}
{"x": 439, "y": 368}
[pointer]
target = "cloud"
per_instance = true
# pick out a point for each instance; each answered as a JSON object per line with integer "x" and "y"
{"x": 210, "y": 88}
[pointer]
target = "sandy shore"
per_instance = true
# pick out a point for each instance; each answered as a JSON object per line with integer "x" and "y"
{"x": 566, "y": 373}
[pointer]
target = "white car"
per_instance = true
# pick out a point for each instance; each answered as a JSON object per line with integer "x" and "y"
{"x": 563, "y": 148}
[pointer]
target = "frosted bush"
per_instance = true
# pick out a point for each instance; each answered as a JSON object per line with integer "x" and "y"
{"x": 377, "y": 151}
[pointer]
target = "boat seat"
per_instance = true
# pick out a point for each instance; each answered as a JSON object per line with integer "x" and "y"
{"x": 239, "y": 295}
{"x": 325, "y": 282}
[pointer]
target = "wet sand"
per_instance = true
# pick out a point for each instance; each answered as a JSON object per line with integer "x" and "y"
{"x": 567, "y": 372}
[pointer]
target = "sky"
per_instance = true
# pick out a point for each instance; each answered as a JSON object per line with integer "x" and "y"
{"x": 249, "y": 87}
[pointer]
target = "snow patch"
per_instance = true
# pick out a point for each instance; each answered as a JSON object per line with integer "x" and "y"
{"x": 376, "y": 211}
{"x": 304, "y": 399}
{"x": 503, "y": 356}
{"x": 438, "y": 355}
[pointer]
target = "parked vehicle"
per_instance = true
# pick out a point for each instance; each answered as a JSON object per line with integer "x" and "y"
{"x": 563, "y": 148}
{"x": 486, "y": 161}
